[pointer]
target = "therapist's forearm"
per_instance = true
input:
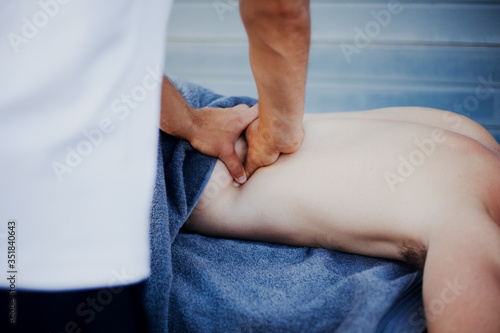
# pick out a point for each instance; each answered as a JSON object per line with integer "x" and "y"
{"x": 176, "y": 115}
{"x": 279, "y": 37}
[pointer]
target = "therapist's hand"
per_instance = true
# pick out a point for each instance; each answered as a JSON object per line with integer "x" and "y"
{"x": 215, "y": 131}
{"x": 212, "y": 131}
{"x": 267, "y": 139}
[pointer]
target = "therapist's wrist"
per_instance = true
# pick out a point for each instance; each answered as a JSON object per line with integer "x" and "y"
{"x": 180, "y": 124}
{"x": 284, "y": 135}
{"x": 283, "y": 131}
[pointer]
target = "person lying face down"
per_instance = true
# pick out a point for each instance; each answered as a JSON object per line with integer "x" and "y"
{"x": 412, "y": 184}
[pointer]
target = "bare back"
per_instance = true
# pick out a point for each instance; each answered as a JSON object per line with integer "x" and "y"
{"x": 362, "y": 182}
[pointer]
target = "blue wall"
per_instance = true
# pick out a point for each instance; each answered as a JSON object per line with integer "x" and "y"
{"x": 364, "y": 54}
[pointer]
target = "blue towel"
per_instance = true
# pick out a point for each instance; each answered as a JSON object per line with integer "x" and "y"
{"x": 205, "y": 284}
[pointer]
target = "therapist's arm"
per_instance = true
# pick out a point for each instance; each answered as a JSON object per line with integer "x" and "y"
{"x": 279, "y": 37}
{"x": 212, "y": 131}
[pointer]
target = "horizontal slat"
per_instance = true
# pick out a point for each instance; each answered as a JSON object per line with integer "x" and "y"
{"x": 444, "y": 64}
{"x": 358, "y": 96}
{"x": 416, "y": 23}
{"x": 425, "y": 23}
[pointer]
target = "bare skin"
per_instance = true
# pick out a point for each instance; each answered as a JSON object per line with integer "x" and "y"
{"x": 337, "y": 192}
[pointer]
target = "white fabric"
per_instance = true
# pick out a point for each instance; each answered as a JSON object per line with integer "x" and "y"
{"x": 79, "y": 112}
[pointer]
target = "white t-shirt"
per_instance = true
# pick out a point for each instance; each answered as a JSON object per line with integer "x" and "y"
{"x": 79, "y": 114}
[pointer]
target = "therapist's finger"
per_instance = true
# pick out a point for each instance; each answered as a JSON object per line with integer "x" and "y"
{"x": 234, "y": 165}
{"x": 248, "y": 115}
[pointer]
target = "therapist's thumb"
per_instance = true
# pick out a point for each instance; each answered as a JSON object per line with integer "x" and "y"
{"x": 234, "y": 165}
{"x": 250, "y": 164}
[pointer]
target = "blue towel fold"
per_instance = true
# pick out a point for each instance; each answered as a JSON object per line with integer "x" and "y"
{"x": 205, "y": 284}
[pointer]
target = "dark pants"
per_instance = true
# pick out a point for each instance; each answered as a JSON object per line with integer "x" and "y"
{"x": 109, "y": 309}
